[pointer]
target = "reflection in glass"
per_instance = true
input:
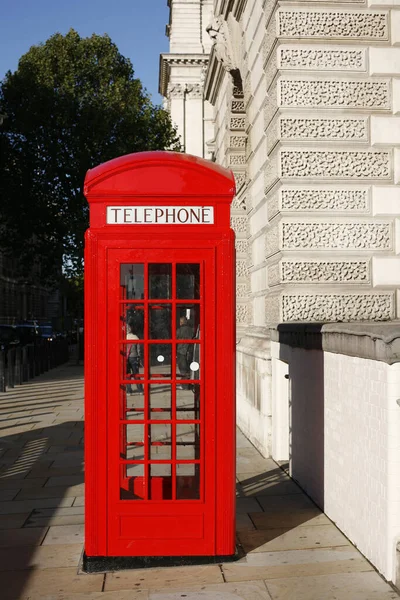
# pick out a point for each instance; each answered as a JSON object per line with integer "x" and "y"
{"x": 134, "y": 408}
{"x": 132, "y": 482}
{"x": 160, "y": 401}
{"x": 160, "y": 368}
{"x": 160, "y": 279}
{"x": 160, "y": 482}
{"x": 188, "y": 482}
{"x": 160, "y": 322}
{"x": 185, "y": 404}
{"x": 188, "y": 441}
{"x": 133, "y": 436}
{"x": 160, "y": 441}
{"x": 184, "y": 350}
{"x": 132, "y": 281}
{"x": 135, "y": 470}
{"x": 188, "y": 281}
{"x": 133, "y": 321}
{"x": 132, "y": 365}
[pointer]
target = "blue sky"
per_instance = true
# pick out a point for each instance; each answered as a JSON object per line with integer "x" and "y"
{"x": 136, "y": 26}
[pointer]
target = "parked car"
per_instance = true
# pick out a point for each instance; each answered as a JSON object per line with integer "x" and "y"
{"x": 28, "y": 333}
{"x": 47, "y": 332}
{"x": 9, "y": 337}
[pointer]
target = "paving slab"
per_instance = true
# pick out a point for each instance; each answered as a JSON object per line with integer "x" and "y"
{"x": 53, "y": 471}
{"x": 247, "y": 572}
{"x": 79, "y": 501}
{"x": 287, "y": 502}
{"x": 64, "y": 534}
{"x": 244, "y": 523}
{"x": 10, "y": 483}
{"x": 64, "y": 480}
{"x": 344, "y": 586}
{"x": 298, "y": 538}
{"x": 40, "y": 557}
{"x": 36, "y": 520}
{"x": 117, "y": 595}
{"x": 13, "y": 521}
{"x": 22, "y": 537}
{"x": 256, "y": 484}
{"x": 37, "y": 581}
{"x": 306, "y": 517}
{"x": 249, "y": 590}
{"x": 247, "y": 505}
{"x": 50, "y": 492}
{"x": 8, "y": 508}
{"x": 6, "y": 495}
{"x": 163, "y": 578}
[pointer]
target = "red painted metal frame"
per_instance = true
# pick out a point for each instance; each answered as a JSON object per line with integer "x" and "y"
{"x": 155, "y": 179}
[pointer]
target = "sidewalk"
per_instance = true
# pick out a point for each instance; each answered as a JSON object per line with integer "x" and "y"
{"x": 293, "y": 550}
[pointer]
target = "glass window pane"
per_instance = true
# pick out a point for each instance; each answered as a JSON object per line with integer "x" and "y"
{"x": 188, "y": 281}
{"x": 188, "y": 441}
{"x": 160, "y": 360}
{"x": 133, "y": 440}
{"x": 133, "y": 320}
{"x": 160, "y": 441}
{"x": 188, "y": 403}
{"x": 132, "y": 482}
{"x": 134, "y": 407}
{"x": 160, "y": 482}
{"x": 187, "y": 482}
{"x": 132, "y": 366}
{"x": 186, "y": 317}
{"x": 160, "y": 281}
{"x": 160, "y": 322}
{"x": 132, "y": 281}
{"x": 160, "y": 401}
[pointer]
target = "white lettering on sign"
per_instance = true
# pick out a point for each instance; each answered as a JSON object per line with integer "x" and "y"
{"x": 161, "y": 215}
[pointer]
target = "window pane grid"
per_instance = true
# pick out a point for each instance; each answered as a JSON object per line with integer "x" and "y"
{"x": 158, "y": 461}
{"x": 164, "y": 281}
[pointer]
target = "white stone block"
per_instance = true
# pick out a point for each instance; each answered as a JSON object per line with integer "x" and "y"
{"x": 383, "y": 3}
{"x": 396, "y": 95}
{"x": 385, "y": 130}
{"x": 397, "y": 235}
{"x": 396, "y": 165}
{"x": 395, "y": 27}
{"x": 280, "y": 410}
{"x": 386, "y": 200}
{"x": 385, "y": 271}
{"x": 384, "y": 61}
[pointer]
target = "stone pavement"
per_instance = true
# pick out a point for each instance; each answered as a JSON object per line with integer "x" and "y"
{"x": 293, "y": 550}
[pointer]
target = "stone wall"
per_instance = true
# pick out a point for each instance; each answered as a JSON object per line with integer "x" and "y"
{"x": 332, "y": 178}
{"x": 343, "y": 443}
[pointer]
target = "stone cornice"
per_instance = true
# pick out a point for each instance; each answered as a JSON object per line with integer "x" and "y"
{"x": 177, "y": 60}
{"x": 374, "y": 341}
{"x": 214, "y": 76}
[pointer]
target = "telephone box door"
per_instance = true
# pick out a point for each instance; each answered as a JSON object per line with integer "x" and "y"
{"x": 161, "y": 402}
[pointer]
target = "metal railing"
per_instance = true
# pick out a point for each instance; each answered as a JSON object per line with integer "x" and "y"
{"x": 21, "y": 363}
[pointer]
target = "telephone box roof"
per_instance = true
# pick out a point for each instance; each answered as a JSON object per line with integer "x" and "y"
{"x": 158, "y": 173}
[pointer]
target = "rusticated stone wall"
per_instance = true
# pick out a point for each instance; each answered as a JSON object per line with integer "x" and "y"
{"x": 331, "y": 182}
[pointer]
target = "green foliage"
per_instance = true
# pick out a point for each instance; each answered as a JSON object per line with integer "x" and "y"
{"x": 72, "y": 103}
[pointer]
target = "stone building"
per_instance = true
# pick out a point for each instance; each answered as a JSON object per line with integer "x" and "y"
{"x": 301, "y": 99}
{"x": 20, "y": 299}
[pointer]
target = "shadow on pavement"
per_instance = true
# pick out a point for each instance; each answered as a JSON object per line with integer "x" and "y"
{"x": 41, "y": 476}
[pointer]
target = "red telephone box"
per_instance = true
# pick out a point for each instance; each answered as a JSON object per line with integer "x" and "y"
{"x": 159, "y": 362}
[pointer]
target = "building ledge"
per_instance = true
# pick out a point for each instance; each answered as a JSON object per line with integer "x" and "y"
{"x": 177, "y": 60}
{"x": 375, "y": 341}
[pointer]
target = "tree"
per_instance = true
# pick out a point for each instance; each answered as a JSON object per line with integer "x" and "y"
{"x": 72, "y": 103}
